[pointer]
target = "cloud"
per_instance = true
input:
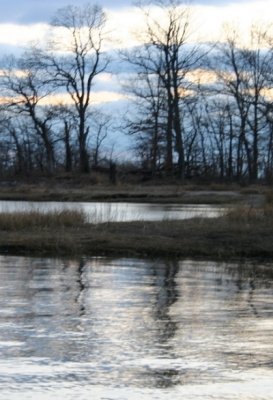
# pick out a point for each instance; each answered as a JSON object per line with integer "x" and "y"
{"x": 219, "y": 3}
{"x": 20, "y": 35}
{"x": 34, "y": 11}
{"x": 26, "y": 21}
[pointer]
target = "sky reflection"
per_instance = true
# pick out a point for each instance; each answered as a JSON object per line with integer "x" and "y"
{"x": 149, "y": 328}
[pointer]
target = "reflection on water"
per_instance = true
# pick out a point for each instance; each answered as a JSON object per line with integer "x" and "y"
{"x": 135, "y": 329}
{"x": 104, "y": 212}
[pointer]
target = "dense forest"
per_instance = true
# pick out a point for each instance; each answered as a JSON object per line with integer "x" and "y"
{"x": 195, "y": 109}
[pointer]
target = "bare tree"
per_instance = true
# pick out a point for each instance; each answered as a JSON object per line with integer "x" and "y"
{"x": 146, "y": 123}
{"x": 243, "y": 72}
{"x": 166, "y": 53}
{"x": 100, "y": 124}
{"x": 65, "y": 121}
{"x": 73, "y": 61}
{"x": 258, "y": 61}
{"x": 25, "y": 90}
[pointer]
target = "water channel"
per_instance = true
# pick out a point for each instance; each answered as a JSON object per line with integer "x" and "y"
{"x": 111, "y": 211}
{"x": 126, "y": 329}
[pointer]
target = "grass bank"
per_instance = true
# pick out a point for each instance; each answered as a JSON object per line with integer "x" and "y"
{"x": 242, "y": 232}
{"x": 174, "y": 193}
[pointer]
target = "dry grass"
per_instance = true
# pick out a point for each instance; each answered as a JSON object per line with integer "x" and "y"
{"x": 243, "y": 232}
{"x": 167, "y": 193}
{"x": 269, "y": 197}
{"x": 250, "y": 215}
{"x": 191, "y": 238}
{"x": 41, "y": 220}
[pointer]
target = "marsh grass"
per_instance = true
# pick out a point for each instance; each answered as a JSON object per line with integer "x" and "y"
{"x": 269, "y": 197}
{"x": 35, "y": 219}
{"x": 173, "y": 193}
{"x": 244, "y": 231}
{"x": 107, "y": 213}
{"x": 250, "y": 215}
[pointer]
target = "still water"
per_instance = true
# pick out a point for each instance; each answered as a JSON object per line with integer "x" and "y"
{"x": 121, "y": 329}
{"x": 107, "y": 211}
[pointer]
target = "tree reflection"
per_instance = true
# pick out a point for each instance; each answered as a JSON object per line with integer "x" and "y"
{"x": 166, "y": 295}
{"x": 136, "y": 323}
{"x": 81, "y": 283}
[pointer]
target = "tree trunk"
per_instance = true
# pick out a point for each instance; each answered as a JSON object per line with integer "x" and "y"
{"x": 83, "y": 153}
{"x": 179, "y": 139}
{"x": 68, "y": 153}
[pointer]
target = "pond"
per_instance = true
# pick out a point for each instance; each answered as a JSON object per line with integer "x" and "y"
{"x": 117, "y": 329}
{"x": 110, "y": 211}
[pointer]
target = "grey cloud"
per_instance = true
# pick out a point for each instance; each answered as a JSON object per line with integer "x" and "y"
{"x": 31, "y": 11}
{"x": 218, "y": 3}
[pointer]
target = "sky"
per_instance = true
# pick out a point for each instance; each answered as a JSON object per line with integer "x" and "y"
{"x": 25, "y": 21}
{"x": 40, "y": 11}
{"x": 22, "y": 21}
{"x": 33, "y": 11}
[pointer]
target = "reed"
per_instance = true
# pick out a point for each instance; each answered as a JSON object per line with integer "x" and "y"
{"x": 250, "y": 215}
{"x": 242, "y": 232}
{"x": 38, "y": 220}
{"x": 269, "y": 197}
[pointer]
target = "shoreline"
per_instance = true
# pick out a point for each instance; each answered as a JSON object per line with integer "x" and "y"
{"x": 195, "y": 238}
{"x": 162, "y": 194}
{"x": 248, "y": 233}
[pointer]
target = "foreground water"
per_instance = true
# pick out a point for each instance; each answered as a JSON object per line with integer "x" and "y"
{"x": 115, "y": 212}
{"x": 134, "y": 329}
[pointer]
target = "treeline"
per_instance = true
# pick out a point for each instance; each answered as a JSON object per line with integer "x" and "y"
{"x": 39, "y": 133}
{"x": 197, "y": 110}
